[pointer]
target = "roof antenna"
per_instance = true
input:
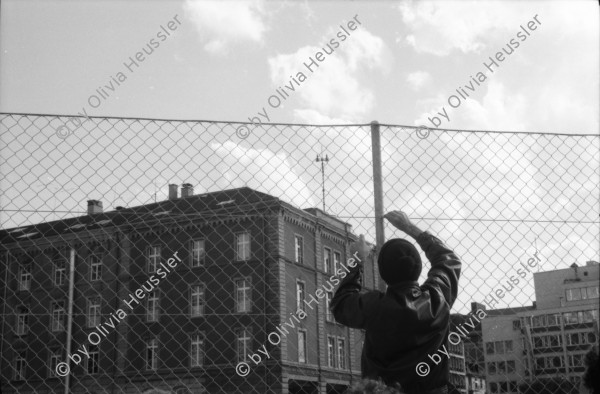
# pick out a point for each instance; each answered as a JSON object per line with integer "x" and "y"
{"x": 323, "y": 160}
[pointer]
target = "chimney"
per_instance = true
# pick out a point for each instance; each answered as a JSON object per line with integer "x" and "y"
{"x": 172, "y": 191}
{"x": 187, "y": 190}
{"x": 94, "y": 207}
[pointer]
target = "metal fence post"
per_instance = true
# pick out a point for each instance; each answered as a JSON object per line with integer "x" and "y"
{"x": 377, "y": 189}
{"x": 70, "y": 316}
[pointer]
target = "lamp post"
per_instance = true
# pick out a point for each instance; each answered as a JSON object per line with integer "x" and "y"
{"x": 323, "y": 160}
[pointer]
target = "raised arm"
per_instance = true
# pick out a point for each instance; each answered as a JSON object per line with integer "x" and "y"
{"x": 445, "y": 265}
{"x": 348, "y": 306}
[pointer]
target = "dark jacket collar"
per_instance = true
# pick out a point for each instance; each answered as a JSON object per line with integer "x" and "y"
{"x": 408, "y": 284}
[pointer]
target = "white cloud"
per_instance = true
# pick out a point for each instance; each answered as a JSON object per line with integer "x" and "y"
{"x": 499, "y": 110}
{"x": 222, "y": 23}
{"x": 312, "y": 116}
{"x": 366, "y": 49}
{"x": 333, "y": 88}
{"x": 418, "y": 79}
{"x": 262, "y": 170}
{"x": 526, "y": 108}
{"x": 535, "y": 89}
{"x": 442, "y": 26}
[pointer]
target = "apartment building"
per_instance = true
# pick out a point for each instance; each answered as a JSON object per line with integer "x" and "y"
{"x": 174, "y": 295}
{"x": 549, "y": 339}
{"x": 472, "y": 343}
{"x": 456, "y": 353}
{"x": 456, "y": 365}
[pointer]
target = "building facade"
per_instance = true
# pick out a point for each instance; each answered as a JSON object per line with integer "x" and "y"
{"x": 178, "y": 295}
{"x": 549, "y": 339}
{"x": 456, "y": 363}
{"x": 472, "y": 343}
{"x": 456, "y": 354}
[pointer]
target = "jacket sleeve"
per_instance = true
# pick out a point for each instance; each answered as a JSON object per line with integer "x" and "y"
{"x": 445, "y": 268}
{"x": 349, "y": 306}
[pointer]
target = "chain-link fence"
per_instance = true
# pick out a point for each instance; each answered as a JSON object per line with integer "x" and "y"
{"x": 116, "y": 279}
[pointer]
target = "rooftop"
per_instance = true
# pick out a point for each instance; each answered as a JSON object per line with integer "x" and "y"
{"x": 238, "y": 202}
{"x": 509, "y": 311}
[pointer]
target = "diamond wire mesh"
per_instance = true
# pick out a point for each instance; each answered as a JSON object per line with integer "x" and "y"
{"x": 499, "y": 199}
{"x": 496, "y": 198}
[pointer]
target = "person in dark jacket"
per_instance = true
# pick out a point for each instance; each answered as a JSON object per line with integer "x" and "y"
{"x": 407, "y": 323}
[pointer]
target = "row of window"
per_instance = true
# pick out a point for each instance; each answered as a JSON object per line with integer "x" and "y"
{"x": 546, "y": 341}
{"x": 501, "y": 367}
{"x": 332, "y": 259}
{"x": 331, "y": 265}
{"x": 301, "y": 300}
{"x": 576, "y": 360}
{"x": 336, "y": 348}
{"x": 243, "y": 304}
{"x": 457, "y": 380}
{"x": 553, "y": 362}
{"x": 549, "y": 362}
{"x": 91, "y": 364}
{"x": 153, "y": 258}
{"x": 59, "y": 272}
{"x": 579, "y": 317}
{"x": 457, "y": 364}
{"x": 54, "y": 358}
{"x": 554, "y": 319}
{"x": 503, "y": 387}
{"x": 499, "y": 347}
{"x": 555, "y": 340}
{"x": 456, "y": 349}
{"x": 581, "y": 338}
{"x": 198, "y": 252}
{"x": 582, "y": 293}
{"x": 476, "y": 383}
{"x": 336, "y": 352}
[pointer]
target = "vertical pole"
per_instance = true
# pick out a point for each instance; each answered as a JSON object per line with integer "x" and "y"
{"x": 7, "y": 267}
{"x": 70, "y": 315}
{"x": 323, "y": 175}
{"x": 323, "y": 160}
{"x": 377, "y": 188}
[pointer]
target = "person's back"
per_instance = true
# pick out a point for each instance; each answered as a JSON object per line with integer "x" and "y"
{"x": 408, "y": 322}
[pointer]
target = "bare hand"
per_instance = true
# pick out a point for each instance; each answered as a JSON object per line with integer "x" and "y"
{"x": 361, "y": 247}
{"x": 401, "y": 221}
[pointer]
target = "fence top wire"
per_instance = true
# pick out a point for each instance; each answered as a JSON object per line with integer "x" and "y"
{"x": 496, "y": 197}
{"x": 301, "y": 124}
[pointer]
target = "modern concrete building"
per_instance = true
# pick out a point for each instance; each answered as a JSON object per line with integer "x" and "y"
{"x": 475, "y": 383}
{"x": 174, "y": 295}
{"x": 546, "y": 340}
{"x": 456, "y": 351}
{"x": 503, "y": 351}
{"x": 457, "y": 366}
{"x": 472, "y": 343}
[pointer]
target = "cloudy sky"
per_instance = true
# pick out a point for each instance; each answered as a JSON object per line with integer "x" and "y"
{"x": 498, "y": 198}
{"x": 226, "y": 58}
